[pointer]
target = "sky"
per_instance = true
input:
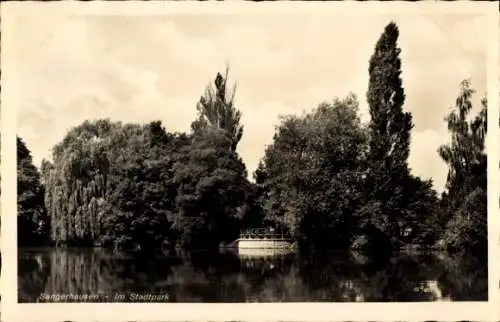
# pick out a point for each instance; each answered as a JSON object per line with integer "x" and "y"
{"x": 64, "y": 69}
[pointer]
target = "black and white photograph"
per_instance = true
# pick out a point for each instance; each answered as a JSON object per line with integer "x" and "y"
{"x": 249, "y": 156}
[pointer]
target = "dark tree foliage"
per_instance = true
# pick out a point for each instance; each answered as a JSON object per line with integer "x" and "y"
{"x": 467, "y": 176}
{"x": 110, "y": 185}
{"x": 390, "y": 202}
{"x": 252, "y": 212}
{"x": 78, "y": 180}
{"x": 212, "y": 184}
{"x": 32, "y": 221}
{"x": 311, "y": 174}
{"x": 390, "y": 126}
{"x": 141, "y": 201}
{"x": 216, "y": 109}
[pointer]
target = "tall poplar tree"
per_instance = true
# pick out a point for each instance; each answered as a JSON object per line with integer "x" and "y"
{"x": 390, "y": 130}
{"x": 216, "y": 109}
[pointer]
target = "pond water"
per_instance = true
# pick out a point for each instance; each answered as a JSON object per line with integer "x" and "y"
{"x": 97, "y": 275}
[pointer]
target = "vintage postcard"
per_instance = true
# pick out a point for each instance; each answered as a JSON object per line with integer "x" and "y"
{"x": 250, "y": 161}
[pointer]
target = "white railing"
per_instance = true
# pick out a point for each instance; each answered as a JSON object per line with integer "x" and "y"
{"x": 264, "y": 233}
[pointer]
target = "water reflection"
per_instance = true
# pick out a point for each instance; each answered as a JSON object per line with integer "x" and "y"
{"x": 232, "y": 277}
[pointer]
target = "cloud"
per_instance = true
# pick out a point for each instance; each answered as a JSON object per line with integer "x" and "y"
{"x": 259, "y": 128}
{"x": 424, "y": 159}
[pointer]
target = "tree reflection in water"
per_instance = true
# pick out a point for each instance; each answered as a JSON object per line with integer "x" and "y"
{"x": 228, "y": 277}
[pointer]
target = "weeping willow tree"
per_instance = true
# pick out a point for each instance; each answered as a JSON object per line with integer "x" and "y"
{"x": 467, "y": 175}
{"x": 80, "y": 177}
{"x": 109, "y": 184}
{"x": 216, "y": 109}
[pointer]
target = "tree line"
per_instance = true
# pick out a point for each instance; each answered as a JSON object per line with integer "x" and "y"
{"x": 327, "y": 179}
